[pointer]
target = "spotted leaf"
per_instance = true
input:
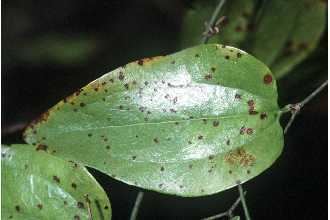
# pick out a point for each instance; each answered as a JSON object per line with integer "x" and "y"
{"x": 192, "y": 123}
{"x": 36, "y": 185}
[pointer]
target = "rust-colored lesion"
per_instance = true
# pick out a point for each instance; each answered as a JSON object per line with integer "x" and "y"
{"x": 149, "y": 60}
{"x": 240, "y": 157}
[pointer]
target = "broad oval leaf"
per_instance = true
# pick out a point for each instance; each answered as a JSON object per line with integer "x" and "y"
{"x": 192, "y": 123}
{"x": 36, "y": 185}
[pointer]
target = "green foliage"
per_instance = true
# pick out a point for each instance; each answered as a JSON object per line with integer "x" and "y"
{"x": 232, "y": 32}
{"x": 280, "y": 33}
{"x": 36, "y": 185}
{"x": 192, "y": 123}
{"x": 303, "y": 38}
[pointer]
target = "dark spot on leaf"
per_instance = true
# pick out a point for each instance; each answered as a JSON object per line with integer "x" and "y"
{"x": 148, "y": 112}
{"x": 173, "y": 62}
{"x": 43, "y": 138}
{"x": 172, "y": 110}
{"x": 208, "y": 77}
{"x": 228, "y": 142}
{"x": 215, "y": 123}
{"x": 75, "y": 110}
{"x": 111, "y": 80}
{"x": 140, "y": 62}
{"x": 253, "y": 112}
{"x": 108, "y": 147}
{"x": 176, "y": 123}
{"x": 82, "y": 104}
{"x": 263, "y": 115}
{"x": 239, "y": 55}
{"x": 166, "y": 96}
{"x": 136, "y": 136}
{"x": 76, "y": 217}
{"x": 121, "y": 107}
{"x": 189, "y": 142}
{"x": 249, "y": 131}
{"x": 39, "y": 206}
{"x": 56, "y": 179}
{"x": 106, "y": 207}
{"x": 181, "y": 186}
{"x": 103, "y": 99}
{"x": 156, "y": 140}
{"x": 26, "y": 166}
{"x": 210, "y": 170}
{"x": 105, "y": 90}
{"x": 126, "y": 86}
{"x": 89, "y": 135}
{"x": 96, "y": 89}
{"x": 242, "y": 130}
{"x": 190, "y": 166}
{"x": 204, "y": 121}
{"x": 202, "y": 191}
{"x": 65, "y": 202}
{"x": 146, "y": 83}
{"x": 200, "y": 137}
{"x": 213, "y": 69}
{"x": 162, "y": 169}
{"x": 160, "y": 185}
{"x": 248, "y": 171}
{"x": 175, "y": 100}
{"x": 230, "y": 172}
{"x": 80, "y": 205}
{"x": 196, "y": 55}
{"x": 250, "y": 103}
{"x": 18, "y": 208}
{"x": 238, "y": 96}
{"x": 121, "y": 76}
{"x": 133, "y": 157}
{"x": 105, "y": 139}
{"x": 41, "y": 147}
{"x": 268, "y": 79}
{"x": 211, "y": 157}
{"x": 227, "y": 57}
{"x": 74, "y": 185}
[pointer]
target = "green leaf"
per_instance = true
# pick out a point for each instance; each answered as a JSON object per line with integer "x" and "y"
{"x": 304, "y": 37}
{"x": 192, "y": 123}
{"x": 235, "y": 218}
{"x": 36, "y": 185}
{"x": 232, "y": 32}
{"x": 275, "y": 21}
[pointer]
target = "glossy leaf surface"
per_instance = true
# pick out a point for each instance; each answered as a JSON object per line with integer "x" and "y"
{"x": 36, "y": 185}
{"x": 191, "y": 123}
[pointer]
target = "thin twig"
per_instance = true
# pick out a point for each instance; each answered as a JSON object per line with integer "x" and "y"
{"x": 228, "y": 213}
{"x": 136, "y": 206}
{"x": 245, "y": 208}
{"x": 295, "y": 108}
{"x": 213, "y": 20}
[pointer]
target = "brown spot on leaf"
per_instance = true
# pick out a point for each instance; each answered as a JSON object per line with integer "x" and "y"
{"x": 268, "y": 79}
{"x": 140, "y": 62}
{"x": 215, "y": 123}
{"x": 56, "y": 179}
{"x": 80, "y": 205}
{"x": 208, "y": 77}
{"x": 263, "y": 115}
{"x": 121, "y": 76}
{"x": 242, "y": 130}
{"x": 73, "y": 185}
{"x": 249, "y": 131}
{"x": 239, "y": 157}
{"x": 41, "y": 147}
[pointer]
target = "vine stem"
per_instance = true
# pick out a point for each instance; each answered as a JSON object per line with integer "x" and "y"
{"x": 228, "y": 213}
{"x": 241, "y": 195}
{"x": 295, "y": 108}
{"x": 137, "y": 205}
{"x": 213, "y": 20}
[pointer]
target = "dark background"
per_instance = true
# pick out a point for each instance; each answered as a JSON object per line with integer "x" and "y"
{"x": 52, "y": 48}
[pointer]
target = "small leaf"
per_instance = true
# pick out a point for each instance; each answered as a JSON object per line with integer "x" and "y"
{"x": 36, "y": 185}
{"x": 192, "y": 123}
{"x": 275, "y": 21}
{"x": 304, "y": 37}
